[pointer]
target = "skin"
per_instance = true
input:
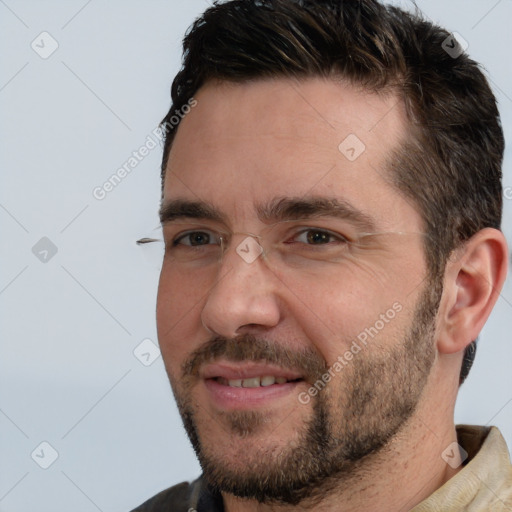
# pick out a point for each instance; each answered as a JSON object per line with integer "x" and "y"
{"x": 245, "y": 144}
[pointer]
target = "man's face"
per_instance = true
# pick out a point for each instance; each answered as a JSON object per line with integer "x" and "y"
{"x": 303, "y": 361}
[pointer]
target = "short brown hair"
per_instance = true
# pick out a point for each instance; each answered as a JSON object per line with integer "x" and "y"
{"x": 450, "y": 166}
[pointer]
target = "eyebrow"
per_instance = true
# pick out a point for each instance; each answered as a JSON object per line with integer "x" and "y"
{"x": 277, "y": 210}
{"x": 314, "y": 207}
{"x": 185, "y": 209}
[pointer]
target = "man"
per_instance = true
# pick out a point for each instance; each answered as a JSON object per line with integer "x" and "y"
{"x": 331, "y": 210}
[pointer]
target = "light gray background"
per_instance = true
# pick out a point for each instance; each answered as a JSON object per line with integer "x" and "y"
{"x": 70, "y": 325}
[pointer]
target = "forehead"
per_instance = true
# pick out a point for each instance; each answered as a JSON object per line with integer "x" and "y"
{"x": 244, "y": 144}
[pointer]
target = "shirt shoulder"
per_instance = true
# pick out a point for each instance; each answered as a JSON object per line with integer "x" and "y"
{"x": 485, "y": 481}
{"x": 184, "y": 497}
{"x": 175, "y": 499}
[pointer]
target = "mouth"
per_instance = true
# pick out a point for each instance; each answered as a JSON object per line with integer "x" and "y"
{"x": 245, "y": 386}
{"x": 254, "y": 382}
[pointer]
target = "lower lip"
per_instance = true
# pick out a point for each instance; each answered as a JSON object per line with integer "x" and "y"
{"x": 228, "y": 397}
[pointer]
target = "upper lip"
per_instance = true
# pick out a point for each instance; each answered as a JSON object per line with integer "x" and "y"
{"x": 246, "y": 370}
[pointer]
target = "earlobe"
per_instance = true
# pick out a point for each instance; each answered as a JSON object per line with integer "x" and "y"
{"x": 472, "y": 283}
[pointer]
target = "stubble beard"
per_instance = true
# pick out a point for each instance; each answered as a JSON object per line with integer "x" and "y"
{"x": 379, "y": 394}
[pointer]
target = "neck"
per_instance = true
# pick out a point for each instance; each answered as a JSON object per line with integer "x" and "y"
{"x": 403, "y": 474}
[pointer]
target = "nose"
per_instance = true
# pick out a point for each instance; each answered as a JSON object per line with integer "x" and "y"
{"x": 245, "y": 295}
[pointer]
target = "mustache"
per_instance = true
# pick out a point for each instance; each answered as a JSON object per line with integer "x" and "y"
{"x": 248, "y": 347}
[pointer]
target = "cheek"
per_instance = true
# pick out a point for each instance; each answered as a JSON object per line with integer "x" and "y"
{"x": 177, "y": 317}
{"x": 364, "y": 303}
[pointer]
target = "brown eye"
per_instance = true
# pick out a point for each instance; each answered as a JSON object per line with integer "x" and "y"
{"x": 193, "y": 238}
{"x": 319, "y": 237}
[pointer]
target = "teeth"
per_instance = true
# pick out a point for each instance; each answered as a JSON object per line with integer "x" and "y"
{"x": 251, "y": 383}
{"x": 268, "y": 381}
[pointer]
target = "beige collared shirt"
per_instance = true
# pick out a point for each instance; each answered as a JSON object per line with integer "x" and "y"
{"x": 485, "y": 482}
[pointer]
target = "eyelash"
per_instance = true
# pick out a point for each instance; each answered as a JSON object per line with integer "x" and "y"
{"x": 338, "y": 237}
{"x": 176, "y": 241}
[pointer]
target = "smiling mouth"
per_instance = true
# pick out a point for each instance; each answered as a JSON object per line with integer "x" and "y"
{"x": 254, "y": 382}
{"x": 248, "y": 385}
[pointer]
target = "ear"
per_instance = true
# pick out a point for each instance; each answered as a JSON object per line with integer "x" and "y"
{"x": 473, "y": 279}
